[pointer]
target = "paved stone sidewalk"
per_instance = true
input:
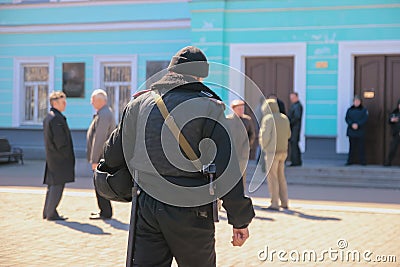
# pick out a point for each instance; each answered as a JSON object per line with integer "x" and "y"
{"x": 27, "y": 240}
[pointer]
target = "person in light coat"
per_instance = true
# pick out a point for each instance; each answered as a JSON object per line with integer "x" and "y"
{"x": 274, "y": 135}
{"x": 100, "y": 129}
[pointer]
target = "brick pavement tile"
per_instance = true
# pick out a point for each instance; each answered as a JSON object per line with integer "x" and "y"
{"x": 27, "y": 240}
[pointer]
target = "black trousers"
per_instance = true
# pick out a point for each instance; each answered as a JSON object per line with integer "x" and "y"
{"x": 394, "y": 144}
{"x": 357, "y": 148}
{"x": 295, "y": 154}
{"x": 164, "y": 232}
{"x": 104, "y": 205}
{"x": 53, "y": 198}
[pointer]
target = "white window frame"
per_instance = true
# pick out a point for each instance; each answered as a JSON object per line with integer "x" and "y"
{"x": 100, "y": 61}
{"x": 19, "y": 94}
{"x": 237, "y": 59}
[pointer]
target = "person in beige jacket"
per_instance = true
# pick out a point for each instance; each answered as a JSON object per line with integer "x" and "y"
{"x": 274, "y": 135}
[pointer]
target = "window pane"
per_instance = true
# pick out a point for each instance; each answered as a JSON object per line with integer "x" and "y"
{"x": 117, "y": 74}
{"x": 110, "y": 90}
{"x": 42, "y": 100}
{"x": 36, "y": 74}
{"x": 29, "y": 102}
{"x": 124, "y": 98}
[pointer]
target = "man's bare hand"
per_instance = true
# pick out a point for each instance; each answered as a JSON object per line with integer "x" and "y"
{"x": 239, "y": 236}
{"x": 94, "y": 166}
{"x": 354, "y": 126}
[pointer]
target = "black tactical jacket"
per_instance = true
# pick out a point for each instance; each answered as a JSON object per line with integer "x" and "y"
{"x": 146, "y": 123}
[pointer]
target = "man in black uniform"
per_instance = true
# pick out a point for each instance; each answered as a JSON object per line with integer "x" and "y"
{"x": 394, "y": 120}
{"x": 168, "y": 229}
{"x": 295, "y": 114}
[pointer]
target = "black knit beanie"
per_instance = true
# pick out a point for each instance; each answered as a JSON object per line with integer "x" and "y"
{"x": 189, "y": 60}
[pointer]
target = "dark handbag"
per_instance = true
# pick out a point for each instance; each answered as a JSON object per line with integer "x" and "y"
{"x": 116, "y": 186}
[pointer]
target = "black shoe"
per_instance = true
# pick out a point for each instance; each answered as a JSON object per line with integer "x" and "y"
{"x": 271, "y": 208}
{"x": 348, "y": 164}
{"x": 295, "y": 165}
{"x": 57, "y": 218}
{"x": 386, "y": 164}
{"x": 97, "y": 216}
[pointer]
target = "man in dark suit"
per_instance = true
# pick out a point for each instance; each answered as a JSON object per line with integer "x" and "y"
{"x": 102, "y": 125}
{"x": 295, "y": 115}
{"x": 60, "y": 158}
{"x": 356, "y": 118}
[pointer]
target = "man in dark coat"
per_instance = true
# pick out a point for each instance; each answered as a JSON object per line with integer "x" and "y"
{"x": 295, "y": 115}
{"x": 60, "y": 158}
{"x": 170, "y": 223}
{"x": 99, "y": 131}
{"x": 281, "y": 105}
{"x": 394, "y": 121}
{"x": 356, "y": 118}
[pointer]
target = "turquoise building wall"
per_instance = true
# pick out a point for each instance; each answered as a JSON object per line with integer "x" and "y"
{"x": 83, "y": 46}
{"x": 321, "y": 25}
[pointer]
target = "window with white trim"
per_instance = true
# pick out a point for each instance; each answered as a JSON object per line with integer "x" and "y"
{"x": 117, "y": 76}
{"x": 33, "y": 80}
{"x": 35, "y": 89}
{"x": 117, "y": 83}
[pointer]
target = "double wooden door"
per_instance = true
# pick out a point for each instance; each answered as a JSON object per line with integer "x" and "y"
{"x": 377, "y": 81}
{"x": 272, "y": 75}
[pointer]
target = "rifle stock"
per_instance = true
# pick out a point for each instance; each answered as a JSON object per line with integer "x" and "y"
{"x": 132, "y": 225}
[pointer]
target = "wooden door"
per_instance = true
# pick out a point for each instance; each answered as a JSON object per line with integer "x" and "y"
{"x": 375, "y": 81}
{"x": 273, "y": 75}
{"x": 370, "y": 85}
{"x": 392, "y": 97}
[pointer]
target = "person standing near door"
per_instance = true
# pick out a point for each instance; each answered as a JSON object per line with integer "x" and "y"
{"x": 281, "y": 105}
{"x": 394, "y": 121}
{"x": 356, "y": 118}
{"x": 60, "y": 157}
{"x": 100, "y": 129}
{"x": 295, "y": 115}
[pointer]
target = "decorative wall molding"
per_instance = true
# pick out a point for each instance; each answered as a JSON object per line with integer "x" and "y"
{"x": 111, "y": 26}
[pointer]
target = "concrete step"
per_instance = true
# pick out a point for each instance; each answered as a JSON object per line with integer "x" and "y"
{"x": 332, "y": 174}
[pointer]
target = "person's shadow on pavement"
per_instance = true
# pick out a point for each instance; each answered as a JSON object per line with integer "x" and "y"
{"x": 83, "y": 227}
{"x": 257, "y": 217}
{"x": 310, "y": 217}
{"x": 298, "y": 214}
{"x": 115, "y": 223}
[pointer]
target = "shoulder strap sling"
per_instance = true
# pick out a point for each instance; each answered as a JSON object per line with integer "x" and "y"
{"x": 183, "y": 143}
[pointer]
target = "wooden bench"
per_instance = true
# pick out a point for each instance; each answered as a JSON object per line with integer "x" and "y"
{"x": 14, "y": 154}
